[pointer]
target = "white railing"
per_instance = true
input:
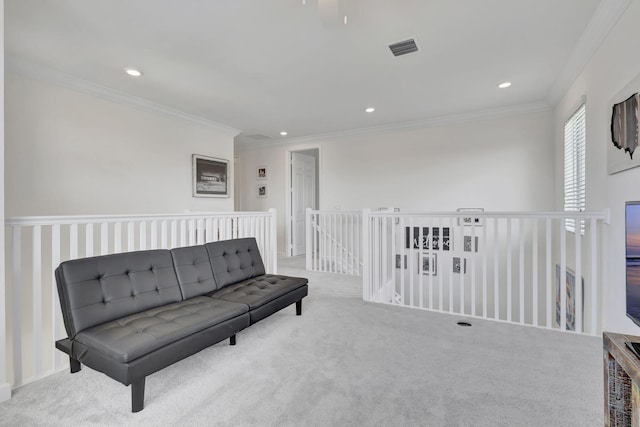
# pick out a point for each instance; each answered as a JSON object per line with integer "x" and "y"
{"x": 35, "y": 246}
{"x": 501, "y": 266}
{"x": 334, "y": 242}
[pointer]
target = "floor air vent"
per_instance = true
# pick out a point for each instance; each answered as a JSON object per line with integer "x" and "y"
{"x": 403, "y": 47}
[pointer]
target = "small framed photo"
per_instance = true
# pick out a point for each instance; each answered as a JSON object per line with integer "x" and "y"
{"x": 210, "y": 176}
{"x": 459, "y": 265}
{"x": 261, "y": 192}
{"x": 399, "y": 261}
{"x": 570, "y": 285}
{"x": 261, "y": 172}
{"x": 428, "y": 239}
{"x": 470, "y": 220}
{"x": 428, "y": 263}
{"x": 468, "y": 245}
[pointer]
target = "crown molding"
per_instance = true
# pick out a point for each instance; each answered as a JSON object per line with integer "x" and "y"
{"x": 530, "y": 108}
{"x": 602, "y": 22}
{"x": 59, "y": 78}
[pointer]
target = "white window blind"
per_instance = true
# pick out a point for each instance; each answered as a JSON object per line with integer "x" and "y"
{"x": 574, "y": 167}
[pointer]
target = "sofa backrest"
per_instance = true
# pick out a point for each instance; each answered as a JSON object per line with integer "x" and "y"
{"x": 235, "y": 260}
{"x": 193, "y": 269}
{"x": 104, "y": 288}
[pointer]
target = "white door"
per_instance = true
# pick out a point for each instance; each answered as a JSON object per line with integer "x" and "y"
{"x": 303, "y": 196}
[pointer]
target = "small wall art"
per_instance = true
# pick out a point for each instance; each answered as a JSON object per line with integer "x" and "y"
{"x": 428, "y": 239}
{"x": 209, "y": 176}
{"x": 428, "y": 263}
{"x": 624, "y": 133}
{"x": 468, "y": 246}
{"x": 399, "y": 261}
{"x": 471, "y": 220}
{"x": 570, "y": 284}
{"x": 261, "y": 172}
{"x": 459, "y": 265}
{"x": 261, "y": 192}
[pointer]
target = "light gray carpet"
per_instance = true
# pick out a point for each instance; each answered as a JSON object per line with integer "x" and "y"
{"x": 345, "y": 362}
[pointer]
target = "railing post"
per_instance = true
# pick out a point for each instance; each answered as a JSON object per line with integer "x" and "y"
{"x": 366, "y": 256}
{"x": 308, "y": 238}
{"x": 273, "y": 243}
{"x": 5, "y": 387}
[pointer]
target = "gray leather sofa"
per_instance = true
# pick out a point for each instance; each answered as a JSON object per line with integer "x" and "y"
{"x": 129, "y": 315}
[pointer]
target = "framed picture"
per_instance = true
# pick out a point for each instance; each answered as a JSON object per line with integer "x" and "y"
{"x": 210, "y": 176}
{"x": 470, "y": 220}
{"x": 261, "y": 192}
{"x": 428, "y": 263}
{"x": 459, "y": 265}
{"x": 570, "y": 285}
{"x": 399, "y": 261}
{"x": 261, "y": 172}
{"x": 430, "y": 238}
{"x": 468, "y": 246}
{"x": 624, "y": 128}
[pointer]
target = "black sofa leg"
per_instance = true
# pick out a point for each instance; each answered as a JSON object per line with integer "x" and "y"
{"x": 74, "y": 365}
{"x": 232, "y": 339}
{"x": 137, "y": 395}
{"x": 299, "y": 308}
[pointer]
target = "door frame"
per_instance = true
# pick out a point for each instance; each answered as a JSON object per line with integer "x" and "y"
{"x": 237, "y": 183}
{"x": 288, "y": 214}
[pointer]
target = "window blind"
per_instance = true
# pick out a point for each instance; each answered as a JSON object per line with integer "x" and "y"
{"x": 574, "y": 167}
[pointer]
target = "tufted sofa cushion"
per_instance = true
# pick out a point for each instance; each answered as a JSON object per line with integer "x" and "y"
{"x": 101, "y": 289}
{"x": 235, "y": 260}
{"x": 131, "y": 337}
{"x": 258, "y": 291}
{"x": 193, "y": 269}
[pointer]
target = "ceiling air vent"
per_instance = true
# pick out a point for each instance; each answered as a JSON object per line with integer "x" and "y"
{"x": 403, "y": 47}
{"x": 258, "y": 137}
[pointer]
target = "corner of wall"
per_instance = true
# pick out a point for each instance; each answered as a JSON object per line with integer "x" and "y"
{"x": 5, "y": 392}
{"x": 5, "y": 388}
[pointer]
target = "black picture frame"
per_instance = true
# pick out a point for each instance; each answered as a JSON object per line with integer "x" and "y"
{"x": 429, "y": 241}
{"x": 210, "y": 176}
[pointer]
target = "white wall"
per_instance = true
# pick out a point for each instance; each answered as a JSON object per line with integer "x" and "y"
{"x": 73, "y": 153}
{"x": 615, "y": 64}
{"x": 5, "y": 389}
{"x": 501, "y": 163}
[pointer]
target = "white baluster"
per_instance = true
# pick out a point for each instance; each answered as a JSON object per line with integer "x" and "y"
{"x": 88, "y": 247}
{"x": 142, "y": 241}
{"x": 509, "y": 272}
{"x": 154, "y": 234}
{"x": 549, "y": 284}
{"x": 521, "y": 270}
{"x": 117, "y": 237}
{"x": 16, "y": 311}
{"x": 563, "y": 275}
{"x": 534, "y": 270}
{"x": 56, "y": 312}
{"x": 36, "y": 267}
{"x": 130, "y": 237}
{"x": 104, "y": 238}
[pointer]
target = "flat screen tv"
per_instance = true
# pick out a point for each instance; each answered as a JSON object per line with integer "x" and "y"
{"x": 632, "y": 238}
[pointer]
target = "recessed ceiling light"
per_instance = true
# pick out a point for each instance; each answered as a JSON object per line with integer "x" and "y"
{"x": 133, "y": 72}
{"x": 504, "y": 85}
{"x": 369, "y": 110}
{"x": 283, "y": 133}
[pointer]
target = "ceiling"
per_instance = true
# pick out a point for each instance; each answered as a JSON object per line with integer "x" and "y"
{"x": 266, "y": 66}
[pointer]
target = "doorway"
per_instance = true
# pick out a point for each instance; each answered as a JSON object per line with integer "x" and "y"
{"x": 303, "y": 179}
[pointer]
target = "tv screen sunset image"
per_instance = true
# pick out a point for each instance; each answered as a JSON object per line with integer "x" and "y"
{"x": 633, "y": 260}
